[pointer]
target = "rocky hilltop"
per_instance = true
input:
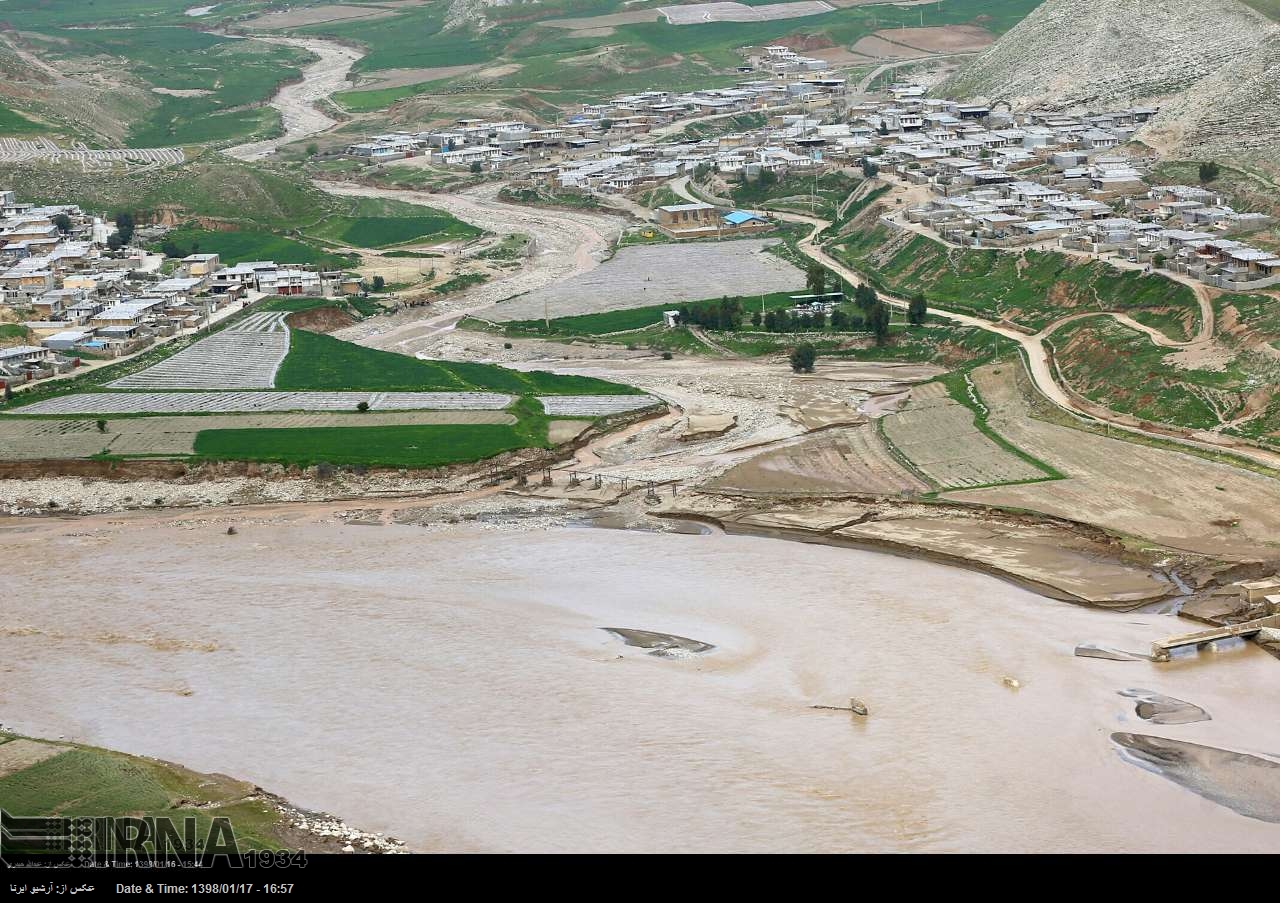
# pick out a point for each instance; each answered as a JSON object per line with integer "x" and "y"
{"x": 1206, "y": 64}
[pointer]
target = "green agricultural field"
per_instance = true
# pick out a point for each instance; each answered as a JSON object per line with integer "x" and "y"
{"x": 82, "y": 780}
{"x": 252, "y": 244}
{"x": 628, "y": 57}
{"x": 1033, "y": 289}
{"x": 317, "y": 361}
{"x": 742, "y": 122}
{"x": 374, "y": 446}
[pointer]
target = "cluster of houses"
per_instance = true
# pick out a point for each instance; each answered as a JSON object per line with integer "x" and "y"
{"x": 1000, "y": 179}
{"x": 74, "y": 295}
{"x": 603, "y": 146}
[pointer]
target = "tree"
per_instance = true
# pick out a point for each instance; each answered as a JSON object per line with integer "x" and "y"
{"x": 815, "y": 279}
{"x": 883, "y": 128}
{"x": 363, "y": 407}
{"x": 1209, "y": 172}
{"x": 606, "y": 124}
{"x": 313, "y": 149}
{"x": 820, "y": 320}
{"x": 767, "y": 179}
{"x": 771, "y": 321}
{"x": 865, "y": 297}
{"x": 803, "y": 357}
{"x": 784, "y": 323}
{"x": 379, "y": 283}
{"x": 476, "y": 168}
{"x": 114, "y": 242}
{"x": 63, "y": 222}
{"x": 755, "y": 319}
{"x": 879, "y": 321}
{"x": 869, "y": 169}
{"x": 839, "y": 320}
{"x": 124, "y": 226}
{"x": 102, "y": 426}
{"x": 1158, "y": 261}
{"x": 917, "y": 309}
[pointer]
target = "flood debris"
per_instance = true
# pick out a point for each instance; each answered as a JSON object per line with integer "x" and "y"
{"x": 856, "y": 706}
{"x": 1160, "y": 709}
{"x": 1095, "y": 650}
{"x": 662, "y": 645}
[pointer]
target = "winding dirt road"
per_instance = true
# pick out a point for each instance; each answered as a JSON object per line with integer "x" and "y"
{"x": 1035, "y": 355}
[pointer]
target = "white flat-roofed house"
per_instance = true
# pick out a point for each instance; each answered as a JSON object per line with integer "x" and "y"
{"x": 290, "y": 282}
{"x": 126, "y": 314}
{"x": 179, "y": 286}
{"x": 18, "y": 363}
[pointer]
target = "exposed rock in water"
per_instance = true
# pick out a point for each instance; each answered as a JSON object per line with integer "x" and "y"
{"x": 1243, "y": 783}
{"x": 663, "y": 645}
{"x": 1160, "y": 709}
{"x": 1093, "y": 650}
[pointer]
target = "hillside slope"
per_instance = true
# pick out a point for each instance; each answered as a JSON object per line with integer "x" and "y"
{"x": 1071, "y": 53}
{"x": 1205, "y": 64}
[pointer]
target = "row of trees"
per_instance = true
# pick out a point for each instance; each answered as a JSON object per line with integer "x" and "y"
{"x": 725, "y": 314}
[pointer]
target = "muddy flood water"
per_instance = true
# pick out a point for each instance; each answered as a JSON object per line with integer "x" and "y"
{"x": 474, "y": 688}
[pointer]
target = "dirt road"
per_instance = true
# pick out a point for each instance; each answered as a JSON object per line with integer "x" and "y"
{"x": 297, "y": 102}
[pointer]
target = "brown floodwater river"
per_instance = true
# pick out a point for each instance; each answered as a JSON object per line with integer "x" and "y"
{"x": 456, "y": 687}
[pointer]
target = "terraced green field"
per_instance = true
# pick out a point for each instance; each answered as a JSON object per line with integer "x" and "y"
{"x": 1032, "y": 289}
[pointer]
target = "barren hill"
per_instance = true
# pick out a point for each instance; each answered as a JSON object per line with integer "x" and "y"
{"x": 1205, "y": 64}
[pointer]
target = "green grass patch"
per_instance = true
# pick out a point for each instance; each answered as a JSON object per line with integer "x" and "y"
{"x": 1121, "y": 369}
{"x": 252, "y": 244}
{"x": 321, "y": 362}
{"x": 13, "y": 123}
{"x": 379, "y": 223}
{"x": 797, "y": 192}
{"x": 83, "y": 781}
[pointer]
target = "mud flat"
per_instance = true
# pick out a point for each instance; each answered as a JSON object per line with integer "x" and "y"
{"x": 1247, "y": 784}
{"x": 1194, "y": 505}
{"x": 660, "y": 274}
{"x": 1049, "y": 557}
{"x": 452, "y": 686}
